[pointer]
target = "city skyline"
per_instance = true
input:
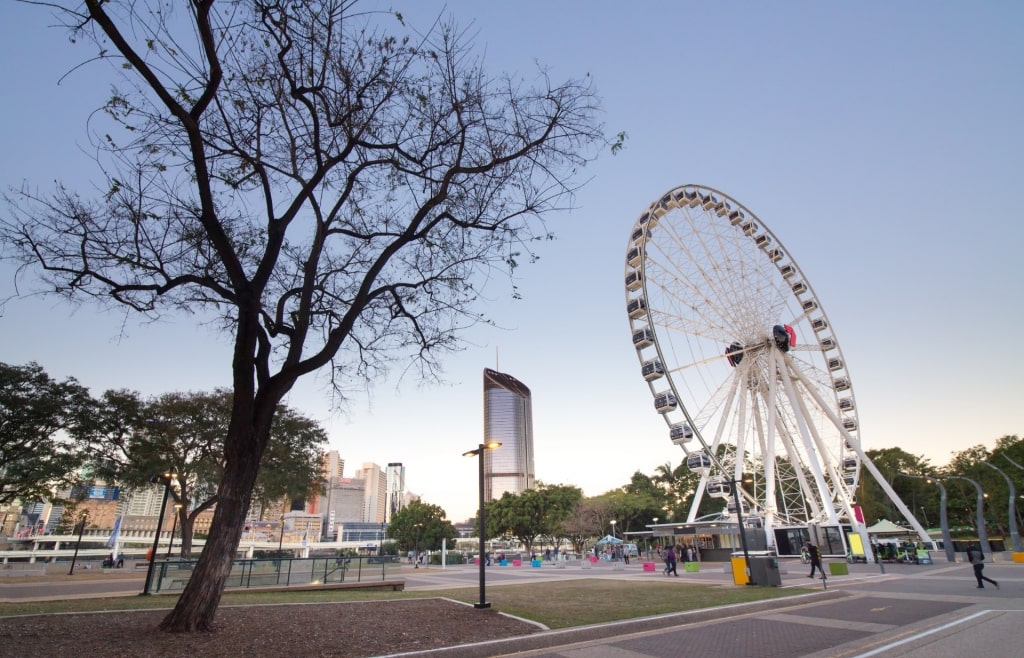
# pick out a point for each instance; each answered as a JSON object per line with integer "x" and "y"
{"x": 887, "y": 165}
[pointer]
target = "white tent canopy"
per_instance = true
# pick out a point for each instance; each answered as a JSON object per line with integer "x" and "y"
{"x": 887, "y": 527}
{"x": 608, "y": 539}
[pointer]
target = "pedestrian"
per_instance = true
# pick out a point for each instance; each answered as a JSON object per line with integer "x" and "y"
{"x": 977, "y": 560}
{"x": 625, "y": 555}
{"x": 815, "y": 557}
{"x": 120, "y": 560}
{"x": 670, "y": 562}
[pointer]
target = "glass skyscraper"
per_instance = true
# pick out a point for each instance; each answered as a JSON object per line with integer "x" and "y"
{"x": 508, "y": 417}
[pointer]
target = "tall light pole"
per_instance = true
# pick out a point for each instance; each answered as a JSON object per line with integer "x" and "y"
{"x": 739, "y": 524}
{"x": 84, "y": 518}
{"x": 174, "y": 528}
{"x": 982, "y": 534}
{"x": 481, "y": 524}
{"x": 416, "y": 548}
{"x": 1014, "y": 532}
{"x": 166, "y": 478}
{"x": 947, "y": 541}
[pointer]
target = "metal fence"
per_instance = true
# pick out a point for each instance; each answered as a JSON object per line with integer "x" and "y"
{"x": 173, "y": 575}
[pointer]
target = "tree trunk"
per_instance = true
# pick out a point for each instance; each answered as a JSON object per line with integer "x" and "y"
{"x": 197, "y": 606}
{"x": 187, "y": 523}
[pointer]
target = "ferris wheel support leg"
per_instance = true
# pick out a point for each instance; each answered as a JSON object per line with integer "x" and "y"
{"x": 769, "y": 456}
{"x": 867, "y": 463}
{"x": 801, "y": 421}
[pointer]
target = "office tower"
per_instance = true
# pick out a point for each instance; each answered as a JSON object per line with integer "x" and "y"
{"x": 333, "y": 465}
{"x": 374, "y": 494}
{"x": 508, "y": 418}
{"x": 396, "y": 488}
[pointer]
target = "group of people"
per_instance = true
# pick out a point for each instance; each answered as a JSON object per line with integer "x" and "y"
{"x": 672, "y": 554}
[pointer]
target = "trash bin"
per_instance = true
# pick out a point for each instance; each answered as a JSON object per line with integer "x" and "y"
{"x": 739, "y": 570}
{"x": 764, "y": 571}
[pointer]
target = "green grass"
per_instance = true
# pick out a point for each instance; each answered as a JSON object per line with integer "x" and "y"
{"x": 558, "y": 604}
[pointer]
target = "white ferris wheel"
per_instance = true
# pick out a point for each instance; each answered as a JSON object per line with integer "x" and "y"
{"x": 743, "y": 363}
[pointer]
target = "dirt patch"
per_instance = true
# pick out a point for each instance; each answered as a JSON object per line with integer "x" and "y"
{"x": 350, "y": 629}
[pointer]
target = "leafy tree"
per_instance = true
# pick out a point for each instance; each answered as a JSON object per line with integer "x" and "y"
{"x": 422, "y": 525}
{"x": 326, "y": 184}
{"x": 38, "y": 419}
{"x": 875, "y": 503}
{"x": 532, "y": 513}
{"x": 133, "y": 440}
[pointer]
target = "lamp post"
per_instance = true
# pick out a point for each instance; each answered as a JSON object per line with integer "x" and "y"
{"x": 739, "y": 524}
{"x": 174, "y": 528}
{"x": 649, "y": 553}
{"x": 1014, "y": 532}
{"x": 416, "y": 548}
{"x": 481, "y": 525}
{"x": 81, "y": 529}
{"x": 980, "y": 512}
{"x": 166, "y": 478}
{"x": 947, "y": 541}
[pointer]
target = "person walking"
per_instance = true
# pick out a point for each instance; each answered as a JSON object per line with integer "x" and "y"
{"x": 670, "y": 562}
{"x": 977, "y": 560}
{"x": 815, "y": 557}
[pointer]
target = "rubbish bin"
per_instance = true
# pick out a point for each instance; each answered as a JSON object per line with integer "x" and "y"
{"x": 764, "y": 571}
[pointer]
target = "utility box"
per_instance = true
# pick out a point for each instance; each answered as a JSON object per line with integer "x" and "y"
{"x": 764, "y": 571}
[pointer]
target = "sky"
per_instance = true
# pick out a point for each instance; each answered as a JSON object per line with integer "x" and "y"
{"x": 882, "y": 143}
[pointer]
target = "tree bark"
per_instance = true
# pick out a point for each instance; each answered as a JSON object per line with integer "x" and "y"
{"x": 197, "y": 606}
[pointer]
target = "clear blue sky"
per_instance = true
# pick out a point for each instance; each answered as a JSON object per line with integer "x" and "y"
{"x": 881, "y": 142}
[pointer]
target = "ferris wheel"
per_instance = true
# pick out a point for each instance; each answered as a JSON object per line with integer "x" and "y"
{"x": 743, "y": 363}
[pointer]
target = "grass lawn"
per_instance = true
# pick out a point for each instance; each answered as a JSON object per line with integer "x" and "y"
{"x": 558, "y": 604}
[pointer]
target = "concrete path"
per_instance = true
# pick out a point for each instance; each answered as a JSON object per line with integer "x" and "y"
{"x": 926, "y": 611}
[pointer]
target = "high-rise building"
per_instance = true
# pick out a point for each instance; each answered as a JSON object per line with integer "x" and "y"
{"x": 396, "y": 488}
{"x": 375, "y": 494}
{"x": 333, "y": 465}
{"x": 508, "y": 418}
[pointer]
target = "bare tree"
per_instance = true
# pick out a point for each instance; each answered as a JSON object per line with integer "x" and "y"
{"x": 329, "y": 185}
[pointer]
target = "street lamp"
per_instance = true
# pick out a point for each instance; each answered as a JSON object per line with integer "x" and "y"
{"x": 982, "y": 535}
{"x": 1014, "y": 532}
{"x": 947, "y": 541}
{"x": 649, "y": 554}
{"x": 739, "y": 524}
{"x": 416, "y": 548}
{"x": 479, "y": 452}
{"x": 84, "y": 518}
{"x": 166, "y": 478}
{"x": 174, "y": 527}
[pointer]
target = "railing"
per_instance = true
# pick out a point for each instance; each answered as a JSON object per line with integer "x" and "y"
{"x": 173, "y": 575}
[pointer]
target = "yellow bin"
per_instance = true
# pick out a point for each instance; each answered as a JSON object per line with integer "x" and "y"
{"x": 1018, "y": 557}
{"x": 739, "y": 571}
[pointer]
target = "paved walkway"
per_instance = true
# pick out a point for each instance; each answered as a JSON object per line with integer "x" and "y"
{"x": 932, "y": 611}
{"x": 927, "y": 611}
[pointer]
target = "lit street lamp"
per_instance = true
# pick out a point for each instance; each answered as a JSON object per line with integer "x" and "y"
{"x": 1014, "y": 532}
{"x": 174, "y": 527}
{"x": 947, "y": 541}
{"x": 982, "y": 534}
{"x": 416, "y": 548}
{"x": 479, "y": 452}
{"x": 166, "y": 478}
